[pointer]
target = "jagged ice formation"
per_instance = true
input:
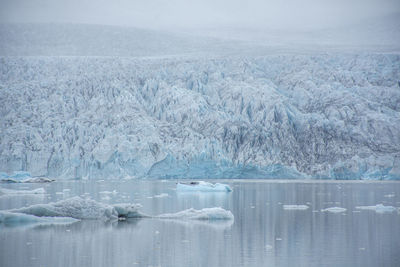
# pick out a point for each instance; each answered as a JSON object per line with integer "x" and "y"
{"x": 291, "y": 116}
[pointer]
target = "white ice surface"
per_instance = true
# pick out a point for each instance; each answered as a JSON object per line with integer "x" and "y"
{"x": 80, "y": 208}
{"x": 380, "y": 208}
{"x": 279, "y": 116}
{"x": 210, "y": 214}
{"x": 335, "y": 209}
{"x": 295, "y": 207}
{"x": 12, "y": 219}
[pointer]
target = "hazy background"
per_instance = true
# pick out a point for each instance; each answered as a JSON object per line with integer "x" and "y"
{"x": 161, "y": 27}
{"x": 200, "y": 14}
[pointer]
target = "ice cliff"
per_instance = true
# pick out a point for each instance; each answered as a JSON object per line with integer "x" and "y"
{"x": 290, "y": 116}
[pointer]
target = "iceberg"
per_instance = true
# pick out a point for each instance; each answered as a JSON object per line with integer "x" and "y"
{"x": 295, "y": 207}
{"x": 334, "y": 209}
{"x": 18, "y": 219}
{"x": 86, "y": 209}
{"x": 22, "y": 177}
{"x": 82, "y": 209}
{"x": 206, "y": 214}
{"x": 380, "y": 208}
{"x": 202, "y": 186}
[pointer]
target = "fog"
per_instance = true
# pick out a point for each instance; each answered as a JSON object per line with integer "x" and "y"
{"x": 200, "y": 14}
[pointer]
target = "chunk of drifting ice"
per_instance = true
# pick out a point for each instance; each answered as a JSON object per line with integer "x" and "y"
{"x": 128, "y": 210}
{"x": 75, "y": 207}
{"x": 203, "y": 214}
{"x": 380, "y": 208}
{"x": 22, "y": 192}
{"x": 27, "y": 180}
{"x": 10, "y": 218}
{"x": 295, "y": 207}
{"x": 114, "y": 192}
{"x": 202, "y": 186}
{"x": 335, "y": 209}
{"x": 37, "y": 180}
{"x": 161, "y": 195}
{"x": 80, "y": 208}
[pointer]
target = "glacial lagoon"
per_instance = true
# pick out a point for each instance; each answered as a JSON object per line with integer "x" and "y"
{"x": 276, "y": 223}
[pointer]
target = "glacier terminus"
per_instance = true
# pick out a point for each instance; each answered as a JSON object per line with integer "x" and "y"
{"x": 326, "y": 116}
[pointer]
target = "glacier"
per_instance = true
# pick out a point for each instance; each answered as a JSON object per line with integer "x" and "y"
{"x": 320, "y": 115}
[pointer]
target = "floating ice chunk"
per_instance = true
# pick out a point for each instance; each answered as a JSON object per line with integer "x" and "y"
{"x": 203, "y": 214}
{"x": 389, "y": 195}
{"x": 38, "y": 180}
{"x": 128, "y": 210}
{"x": 295, "y": 207}
{"x": 335, "y": 209}
{"x": 202, "y": 186}
{"x": 9, "y": 179}
{"x": 80, "y": 208}
{"x": 162, "y": 195}
{"x": 12, "y": 219}
{"x": 22, "y": 192}
{"x": 380, "y": 208}
{"x": 114, "y": 192}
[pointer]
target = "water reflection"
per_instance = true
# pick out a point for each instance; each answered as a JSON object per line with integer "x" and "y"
{"x": 263, "y": 233}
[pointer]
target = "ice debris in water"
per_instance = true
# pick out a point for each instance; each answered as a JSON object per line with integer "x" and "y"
{"x": 23, "y": 177}
{"x": 202, "y": 186}
{"x": 380, "y": 208}
{"x": 162, "y": 195}
{"x": 22, "y": 192}
{"x": 12, "y": 219}
{"x": 216, "y": 213}
{"x": 80, "y": 208}
{"x": 335, "y": 209}
{"x": 295, "y": 207}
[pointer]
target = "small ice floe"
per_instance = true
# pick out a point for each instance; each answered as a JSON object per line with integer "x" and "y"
{"x": 295, "y": 207}
{"x": 22, "y": 192}
{"x": 389, "y": 195}
{"x": 268, "y": 247}
{"x": 380, "y": 208}
{"x": 13, "y": 219}
{"x": 162, "y": 195}
{"x": 334, "y": 209}
{"x": 202, "y": 186}
{"x": 23, "y": 177}
{"x": 114, "y": 192}
{"x": 203, "y": 214}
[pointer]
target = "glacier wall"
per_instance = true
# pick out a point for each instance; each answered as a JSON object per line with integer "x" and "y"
{"x": 284, "y": 116}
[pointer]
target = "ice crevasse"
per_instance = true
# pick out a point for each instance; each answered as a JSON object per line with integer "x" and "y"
{"x": 291, "y": 116}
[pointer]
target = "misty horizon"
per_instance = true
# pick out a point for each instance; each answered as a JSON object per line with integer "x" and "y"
{"x": 202, "y": 15}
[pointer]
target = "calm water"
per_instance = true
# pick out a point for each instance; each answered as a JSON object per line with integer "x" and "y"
{"x": 262, "y": 234}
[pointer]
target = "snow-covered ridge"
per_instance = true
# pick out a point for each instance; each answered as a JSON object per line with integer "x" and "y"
{"x": 322, "y": 116}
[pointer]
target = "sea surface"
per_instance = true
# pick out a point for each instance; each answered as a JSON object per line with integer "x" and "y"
{"x": 264, "y": 232}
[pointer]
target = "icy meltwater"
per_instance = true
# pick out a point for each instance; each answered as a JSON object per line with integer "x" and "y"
{"x": 275, "y": 223}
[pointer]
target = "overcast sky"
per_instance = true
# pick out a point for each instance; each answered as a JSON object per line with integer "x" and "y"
{"x": 303, "y": 14}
